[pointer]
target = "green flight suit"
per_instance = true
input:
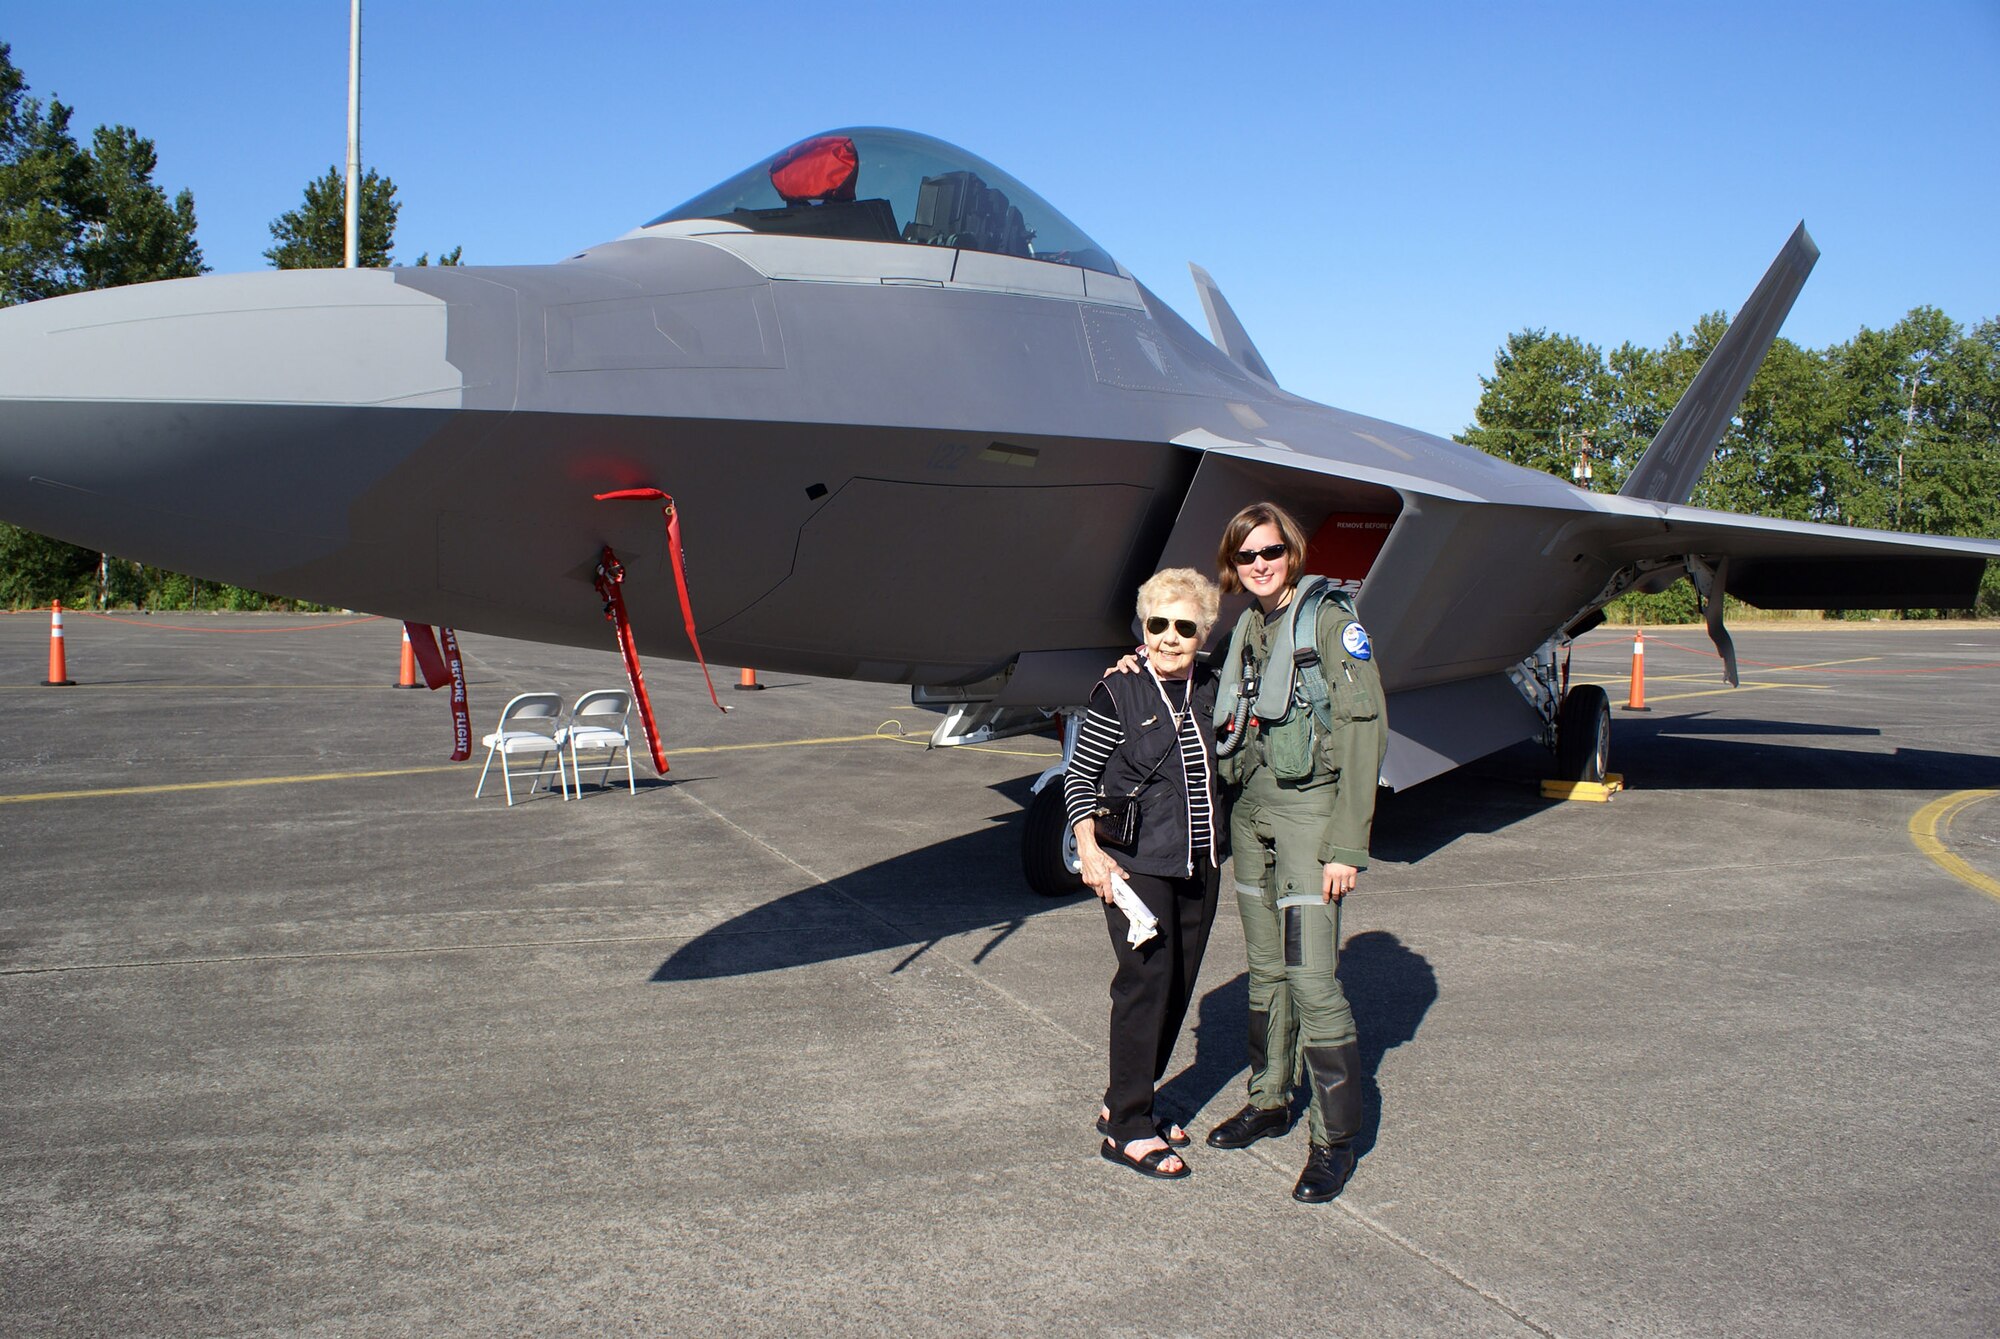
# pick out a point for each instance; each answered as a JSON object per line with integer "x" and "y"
{"x": 1282, "y": 832}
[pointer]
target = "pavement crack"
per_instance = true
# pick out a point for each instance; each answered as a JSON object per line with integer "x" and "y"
{"x": 1437, "y": 1262}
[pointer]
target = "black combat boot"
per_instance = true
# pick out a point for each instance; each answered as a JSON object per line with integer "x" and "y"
{"x": 1336, "y": 1078}
{"x": 1252, "y": 1123}
{"x": 1249, "y": 1125}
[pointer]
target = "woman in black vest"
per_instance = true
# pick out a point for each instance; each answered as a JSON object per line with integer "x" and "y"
{"x": 1149, "y": 736}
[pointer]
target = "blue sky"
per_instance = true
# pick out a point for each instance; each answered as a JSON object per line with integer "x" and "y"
{"x": 1383, "y": 191}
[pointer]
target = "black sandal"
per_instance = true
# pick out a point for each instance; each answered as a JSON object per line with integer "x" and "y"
{"x": 1160, "y": 1127}
{"x": 1147, "y": 1165}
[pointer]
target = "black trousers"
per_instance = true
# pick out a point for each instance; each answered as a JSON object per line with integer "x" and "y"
{"x": 1151, "y": 988}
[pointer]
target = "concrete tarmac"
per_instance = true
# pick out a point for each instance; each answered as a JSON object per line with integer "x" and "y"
{"x": 301, "y": 1038}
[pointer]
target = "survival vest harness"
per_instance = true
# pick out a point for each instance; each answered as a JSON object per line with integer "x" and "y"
{"x": 1244, "y": 703}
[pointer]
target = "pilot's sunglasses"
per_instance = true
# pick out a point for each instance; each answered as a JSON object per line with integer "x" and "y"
{"x": 1186, "y": 627}
{"x": 1270, "y": 553}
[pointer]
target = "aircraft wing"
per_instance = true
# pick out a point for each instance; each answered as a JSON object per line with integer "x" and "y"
{"x": 1472, "y": 583}
{"x": 1780, "y": 564}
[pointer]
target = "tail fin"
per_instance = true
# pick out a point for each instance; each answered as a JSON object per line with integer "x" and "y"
{"x": 1226, "y": 330}
{"x": 1676, "y": 458}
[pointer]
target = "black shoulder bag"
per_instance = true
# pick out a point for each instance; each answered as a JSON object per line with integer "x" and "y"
{"x": 1116, "y": 817}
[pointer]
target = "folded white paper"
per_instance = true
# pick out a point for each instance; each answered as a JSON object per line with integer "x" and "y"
{"x": 1142, "y": 924}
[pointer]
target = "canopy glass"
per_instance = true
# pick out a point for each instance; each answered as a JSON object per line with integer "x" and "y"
{"x": 877, "y": 185}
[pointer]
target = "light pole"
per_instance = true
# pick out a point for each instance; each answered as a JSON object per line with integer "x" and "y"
{"x": 354, "y": 135}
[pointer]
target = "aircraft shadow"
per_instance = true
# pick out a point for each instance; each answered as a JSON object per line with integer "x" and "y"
{"x": 1674, "y": 752}
{"x": 915, "y": 900}
{"x": 973, "y": 884}
{"x": 1661, "y": 751}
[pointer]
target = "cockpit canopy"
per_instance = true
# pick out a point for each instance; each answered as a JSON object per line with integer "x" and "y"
{"x": 877, "y": 185}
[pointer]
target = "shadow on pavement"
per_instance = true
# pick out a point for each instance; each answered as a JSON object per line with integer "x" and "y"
{"x": 1665, "y": 751}
{"x": 974, "y": 882}
{"x": 1389, "y": 987}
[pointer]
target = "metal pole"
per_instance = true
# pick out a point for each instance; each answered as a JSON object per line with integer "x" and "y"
{"x": 354, "y": 135}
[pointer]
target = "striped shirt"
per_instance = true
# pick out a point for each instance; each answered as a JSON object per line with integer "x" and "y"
{"x": 1100, "y": 735}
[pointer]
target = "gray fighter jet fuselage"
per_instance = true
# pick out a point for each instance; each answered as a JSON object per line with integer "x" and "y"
{"x": 919, "y": 428}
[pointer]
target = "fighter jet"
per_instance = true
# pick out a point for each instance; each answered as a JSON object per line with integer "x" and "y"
{"x": 919, "y": 428}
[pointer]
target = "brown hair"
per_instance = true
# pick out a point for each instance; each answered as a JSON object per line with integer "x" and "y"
{"x": 1238, "y": 530}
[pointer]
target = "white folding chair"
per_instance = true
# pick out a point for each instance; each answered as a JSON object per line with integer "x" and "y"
{"x": 597, "y": 724}
{"x": 527, "y": 725}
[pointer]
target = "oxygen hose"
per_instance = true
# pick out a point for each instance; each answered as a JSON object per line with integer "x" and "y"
{"x": 1227, "y": 744}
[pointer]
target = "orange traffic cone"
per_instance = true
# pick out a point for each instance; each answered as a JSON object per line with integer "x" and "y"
{"x": 1636, "y": 699}
{"x": 58, "y": 663}
{"x": 746, "y": 681}
{"x": 408, "y": 678}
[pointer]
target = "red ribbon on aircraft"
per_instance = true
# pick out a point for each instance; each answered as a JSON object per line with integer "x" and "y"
{"x": 680, "y": 572}
{"x": 610, "y": 575}
{"x": 440, "y": 669}
{"x": 461, "y": 711}
{"x": 424, "y": 645}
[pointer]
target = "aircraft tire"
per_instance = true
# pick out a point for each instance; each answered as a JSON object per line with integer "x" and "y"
{"x": 1583, "y": 734}
{"x": 1042, "y": 845}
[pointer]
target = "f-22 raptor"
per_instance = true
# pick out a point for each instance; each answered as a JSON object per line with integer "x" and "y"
{"x": 920, "y": 428}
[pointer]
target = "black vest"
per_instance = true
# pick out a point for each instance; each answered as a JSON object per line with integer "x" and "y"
{"x": 1162, "y": 846}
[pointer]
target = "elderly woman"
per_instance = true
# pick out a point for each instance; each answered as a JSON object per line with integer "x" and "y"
{"x": 1149, "y": 737}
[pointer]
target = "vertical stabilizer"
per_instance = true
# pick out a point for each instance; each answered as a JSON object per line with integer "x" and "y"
{"x": 1228, "y": 332}
{"x": 1676, "y": 458}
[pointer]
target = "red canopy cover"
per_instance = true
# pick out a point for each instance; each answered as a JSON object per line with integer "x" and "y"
{"x": 821, "y": 168}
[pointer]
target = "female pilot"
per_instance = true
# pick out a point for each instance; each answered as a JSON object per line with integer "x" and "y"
{"x": 1300, "y": 737}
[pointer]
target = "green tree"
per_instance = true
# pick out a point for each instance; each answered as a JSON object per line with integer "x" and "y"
{"x": 73, "y": 219}
{"x": 35, "y": 569}
{"x": 1547, "y": 395}
{"x": 45, "y": 193}
{"x": 133, "y": 235}
{"x": 1783, "y": 445}
{"x": 1895, "y": 429}
{"x": 314, "y": 236}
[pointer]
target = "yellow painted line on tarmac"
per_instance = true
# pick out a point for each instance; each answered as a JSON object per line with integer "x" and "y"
{"x": 107, "y": 792}
{"x": 167, "y": 788}
{"x": 1624, "y": 680}
{"x": 1935, "y": 818}
{"x": 1746, "y": 688}
{"x": 1818, "y": 664}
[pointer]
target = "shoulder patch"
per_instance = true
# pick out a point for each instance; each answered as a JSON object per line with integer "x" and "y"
{"x": 1354, "y": 640}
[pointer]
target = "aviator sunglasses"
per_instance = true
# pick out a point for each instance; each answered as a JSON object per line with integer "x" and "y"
{"x": 1186, "y": 627}
{"x": 1270, "y": 553}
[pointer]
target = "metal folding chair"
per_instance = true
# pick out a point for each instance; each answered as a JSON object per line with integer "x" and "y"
{"x": 597, "y": 724}
{"x": 528, "y": 724}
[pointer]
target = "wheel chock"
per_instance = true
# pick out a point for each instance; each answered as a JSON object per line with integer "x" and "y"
{"x": 1596, "y": 792}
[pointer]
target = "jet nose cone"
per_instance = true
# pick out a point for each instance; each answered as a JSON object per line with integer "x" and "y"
{"x": 295, "y": 337}
{"x": 220, "y": 425}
